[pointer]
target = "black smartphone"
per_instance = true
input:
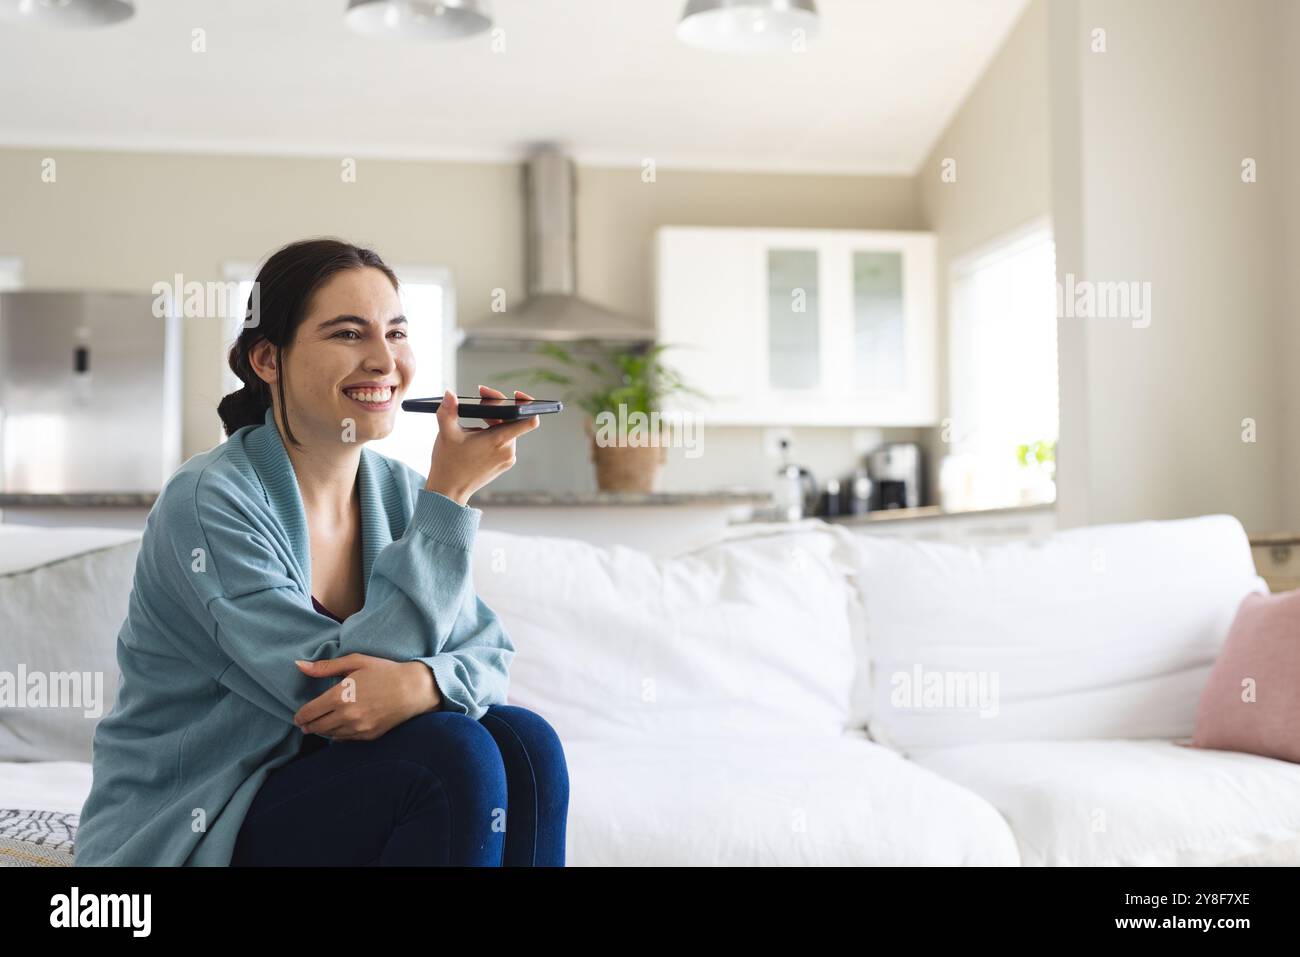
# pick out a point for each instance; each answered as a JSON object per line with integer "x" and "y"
{"x": 486, "y": 407}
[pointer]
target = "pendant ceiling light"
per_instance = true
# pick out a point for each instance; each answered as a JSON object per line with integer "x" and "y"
{"x": 67, "y": 13}
{"x": 747, "y": 26}
{"x": 419, "y": 19}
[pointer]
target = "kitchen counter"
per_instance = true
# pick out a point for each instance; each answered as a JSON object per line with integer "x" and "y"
{"x": 483, "y": 499}
{"x": 525, "y": 499}
{"x": 77, "y": 499}
{"x": 84, "y": 509}
{"x": 973, "y": 526}
{"x": 656, "y": 521}
{"x": 935, "y": 511}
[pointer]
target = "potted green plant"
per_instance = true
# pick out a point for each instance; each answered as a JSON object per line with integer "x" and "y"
{"x": 1039, "y": 460}
{"x": 625, "y": 390}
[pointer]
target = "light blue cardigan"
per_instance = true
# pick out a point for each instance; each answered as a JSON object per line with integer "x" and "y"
{"x": 220, "y": 608}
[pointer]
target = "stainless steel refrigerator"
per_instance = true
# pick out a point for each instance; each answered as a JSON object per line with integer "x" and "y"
{"x": 90, "y": 392}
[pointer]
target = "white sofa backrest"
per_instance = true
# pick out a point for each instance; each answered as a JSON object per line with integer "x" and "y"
{"x": 63, "y": 598}
{"x": 1099, "y": 632}
{"x": 745, "y": 636}
{"x": 1103, "y": 632}
{"x": 750, "y": 634}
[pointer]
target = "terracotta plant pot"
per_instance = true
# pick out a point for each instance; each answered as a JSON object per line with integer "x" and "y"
{"x": 626, "y": 468}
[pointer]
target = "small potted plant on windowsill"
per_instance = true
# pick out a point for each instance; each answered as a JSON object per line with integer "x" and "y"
{"x": 1039, "y": 460}
{"x": 622, "y": 404}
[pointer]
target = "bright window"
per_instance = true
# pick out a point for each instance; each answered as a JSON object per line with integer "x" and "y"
{"x": 1004, "y": 418}
{"x": 428, "y": 304}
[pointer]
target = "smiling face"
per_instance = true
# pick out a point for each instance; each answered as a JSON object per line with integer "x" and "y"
{"x": 350, "y": 361}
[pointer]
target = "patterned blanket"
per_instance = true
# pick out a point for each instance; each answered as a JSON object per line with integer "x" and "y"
{"x": 37, "y": 838}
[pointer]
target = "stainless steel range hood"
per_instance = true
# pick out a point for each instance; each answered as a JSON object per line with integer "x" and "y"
{"x": 552, "y": 312}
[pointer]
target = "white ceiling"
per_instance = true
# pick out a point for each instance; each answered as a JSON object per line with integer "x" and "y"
{"x": 607, "y": 79}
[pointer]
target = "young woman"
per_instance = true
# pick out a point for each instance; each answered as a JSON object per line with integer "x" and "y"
{"x": 308, "y": 676}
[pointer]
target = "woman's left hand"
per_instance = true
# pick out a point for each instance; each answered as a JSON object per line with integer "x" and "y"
{"x": 375, "y": 696}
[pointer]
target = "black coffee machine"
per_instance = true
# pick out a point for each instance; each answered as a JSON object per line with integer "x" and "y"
{"x": 896, "y": 471}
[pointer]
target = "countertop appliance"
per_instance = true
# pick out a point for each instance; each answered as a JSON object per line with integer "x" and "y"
{"x": 896, "y": 470}
{"x": 90, "y": 387}
{"x": 858, "y": 492}
{"x": 830, "y": 502}
{"x": 795, "y": 496}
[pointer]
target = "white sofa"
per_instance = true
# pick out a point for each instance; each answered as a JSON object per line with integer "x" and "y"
{"x": 800, "y": 694}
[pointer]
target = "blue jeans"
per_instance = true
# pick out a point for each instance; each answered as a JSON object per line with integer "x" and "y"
{"x": 440, "y": 788}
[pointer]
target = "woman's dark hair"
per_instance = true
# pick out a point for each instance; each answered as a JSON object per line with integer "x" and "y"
{"x": 282, "y": 294}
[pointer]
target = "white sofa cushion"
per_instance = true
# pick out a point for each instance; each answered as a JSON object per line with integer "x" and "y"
{"x": 58, "y": 632}
{"x": 737, "y": 801}
{"x": 749, "y": 636}
{"x": 1100, "y": 632}
{"x": 1133, "y": 803}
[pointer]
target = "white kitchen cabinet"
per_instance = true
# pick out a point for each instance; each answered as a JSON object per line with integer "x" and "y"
{"x": 800, "y": 326}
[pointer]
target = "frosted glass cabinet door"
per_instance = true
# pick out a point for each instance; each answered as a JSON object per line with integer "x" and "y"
{"x": 801, "y": 326}
{"x": 793, "y": 319}
{"x": 879, "y": 322}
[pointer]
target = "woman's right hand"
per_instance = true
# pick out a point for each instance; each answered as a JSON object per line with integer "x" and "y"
{"x": 464, "y": 460}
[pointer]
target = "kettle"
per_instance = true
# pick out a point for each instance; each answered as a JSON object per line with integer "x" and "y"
{"x": 796, "y": 488}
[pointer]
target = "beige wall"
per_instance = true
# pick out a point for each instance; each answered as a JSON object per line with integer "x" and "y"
{"x": 1000, "y": 142}
{"x": 1288, "y": 104}
{"x": 1151, "y": 137}
{"x": 123, "y": 221}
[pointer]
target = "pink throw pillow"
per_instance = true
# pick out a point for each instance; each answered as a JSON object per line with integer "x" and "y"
{"x": 1252, "y": 700}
